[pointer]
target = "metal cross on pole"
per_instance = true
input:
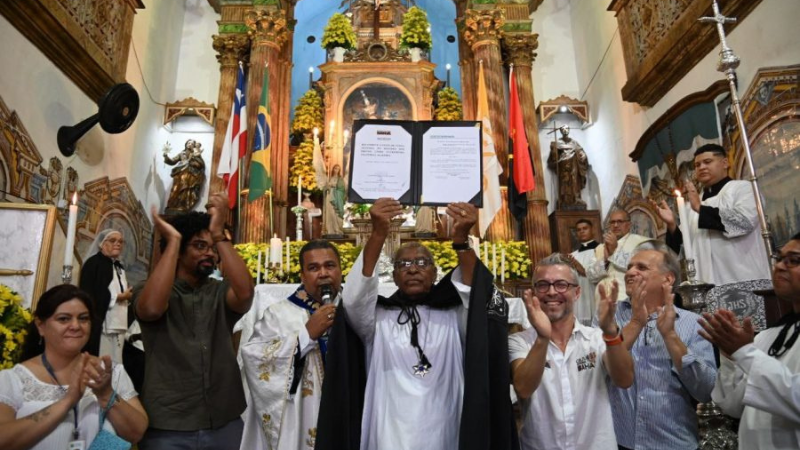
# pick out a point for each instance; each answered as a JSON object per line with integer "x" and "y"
{"x": 728, "y": 62}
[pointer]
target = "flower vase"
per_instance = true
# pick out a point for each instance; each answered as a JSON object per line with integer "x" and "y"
{"x": 338, "y": 54}
{"x": 416, "y": 54}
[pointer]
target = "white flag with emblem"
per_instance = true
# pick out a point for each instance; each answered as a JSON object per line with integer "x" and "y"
{"x": 492, "y": 201}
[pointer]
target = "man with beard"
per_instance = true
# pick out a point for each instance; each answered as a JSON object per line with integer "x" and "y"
{"x": 434, "y": 371}
{"x": 759, "y": 377}
{"x": 290, "y": 336}
{"x": 674, "y": 367}
{"x": 192, "y": 386}
{"x": 613, "y": 254}
{"x": 559, "y": 366}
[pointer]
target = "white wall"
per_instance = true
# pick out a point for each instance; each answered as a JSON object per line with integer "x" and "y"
{"x": 767, "y": 37}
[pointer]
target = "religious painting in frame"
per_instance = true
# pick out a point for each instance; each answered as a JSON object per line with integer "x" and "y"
{"x": 771, "y": 112}
{"x": 25, "y": 245}
{"x": 373, "y": 100}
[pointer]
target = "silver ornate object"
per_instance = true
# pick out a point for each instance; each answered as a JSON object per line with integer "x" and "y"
{"x": 728, "y": 62}
{"x": 693, "y": 292}
{"x": 298, "y": 212}
{"x": 66, "y": 274}
{"x": 715, "y": 429}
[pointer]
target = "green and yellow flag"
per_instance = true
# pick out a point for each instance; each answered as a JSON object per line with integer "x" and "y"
{"x": 260, "y": 178}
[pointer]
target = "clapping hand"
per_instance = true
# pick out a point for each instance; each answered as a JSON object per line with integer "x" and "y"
{"x": 724, "y": 330}
{"x": 97, "y": 375}
{"x": 575, "y": 264}
{"x": 665, "y": 213}
{"x": 666, "y": 314}
{"x": 693, "y": 196}
{"x": 607, "y": 308}
{"x": 610, "y": 243}
{"x": 77, "y": 381}
{"x": 164, "y": 228}
{"x": 217, "y": 208}
{"x": 537, "y": 317}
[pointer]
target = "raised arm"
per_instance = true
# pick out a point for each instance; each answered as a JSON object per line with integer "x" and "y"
{"x": 381, "y": 213}
{"x": 464, "y": 215}
{"x": 239, "y": 297}
{"x": 526, "y": 374}
{"x": 153, "y": 300}
{"x": 617, "y": 358}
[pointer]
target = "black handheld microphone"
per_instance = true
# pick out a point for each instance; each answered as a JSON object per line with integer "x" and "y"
{"x": 327, "y": 293}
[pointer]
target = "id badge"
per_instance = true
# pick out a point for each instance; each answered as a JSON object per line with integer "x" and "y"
{"x": 76, "y": 445}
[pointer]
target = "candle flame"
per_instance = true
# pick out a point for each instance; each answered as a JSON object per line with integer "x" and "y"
{"x": 316, "y": 131}
{"x": 677, "y": 193}
{"x": 75, "y": 198}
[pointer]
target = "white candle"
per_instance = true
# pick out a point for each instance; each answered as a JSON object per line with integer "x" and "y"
{"x": 287, "y": 255}
{"x": 275, "y": 246}
{"x": 330, "y": 132}
{"x": 486, "y": 253}
{"x": 494, "y": 260}
{"x": 475, "y": 243}
{"x": 299, "y": 189}
{"x": 258, "y": 269}
{"x": 503, "y": 265}
{"x": 72, "y": 223}
{"x": 684, "y": 226}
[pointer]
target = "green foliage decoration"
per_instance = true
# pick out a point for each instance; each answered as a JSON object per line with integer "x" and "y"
{"x": 449, "y": 105}
{"x": 415, "y": 30}
{"x": 338, "y": 33}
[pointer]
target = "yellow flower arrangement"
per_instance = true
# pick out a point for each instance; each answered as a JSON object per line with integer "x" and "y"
{"x": 416, "y": 31}
{"x": 14, "y": 320}
{"x": 518, "y": 263}
{"x": 338, "y": 33}
{"x": 249, "y": 253}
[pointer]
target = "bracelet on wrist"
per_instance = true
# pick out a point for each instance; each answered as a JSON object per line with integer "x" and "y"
{"x": 613, "y": 340}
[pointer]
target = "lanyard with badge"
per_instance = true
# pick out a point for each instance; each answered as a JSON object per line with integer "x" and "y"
{"x": 76, "y": 443}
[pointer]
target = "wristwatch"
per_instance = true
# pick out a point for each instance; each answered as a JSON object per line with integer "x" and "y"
{"x": 461, "y": 247}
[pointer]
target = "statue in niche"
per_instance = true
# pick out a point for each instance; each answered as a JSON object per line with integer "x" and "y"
{"x": 571, "y": 165}
{"x": 333, "y": 199}
{"x": 425, "y": 225}
{"x": 72, "y": 184}
{"x": 188, "y": 177}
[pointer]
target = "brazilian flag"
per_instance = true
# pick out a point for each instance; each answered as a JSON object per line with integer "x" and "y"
{"x": 260, "y": 178}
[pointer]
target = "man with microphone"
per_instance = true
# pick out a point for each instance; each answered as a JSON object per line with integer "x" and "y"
{"x": 284, "y": 359}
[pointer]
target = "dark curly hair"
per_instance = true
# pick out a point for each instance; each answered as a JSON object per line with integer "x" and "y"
{"x": 188, "y": 225}
{"x": 45, "y": 308}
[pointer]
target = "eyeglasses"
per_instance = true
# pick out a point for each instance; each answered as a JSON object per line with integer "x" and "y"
{"x": 203, "y": 246}
{"x": 561, "y": 286}
{"x": 617, "y": 222}
{"x": 405, "y": 264}
{"x": 791, "y": 260}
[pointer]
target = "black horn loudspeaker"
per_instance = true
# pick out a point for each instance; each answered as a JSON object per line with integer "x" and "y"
{"x": 118, "y": 109}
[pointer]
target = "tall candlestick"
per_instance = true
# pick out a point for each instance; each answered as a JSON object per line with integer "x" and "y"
{"x": 330, "y": 132}
{"x": 275, "y": 246}
{"x": 684, "y": 226}
{"x": 258, "y": 269}
{"x": 503, "y": 265}
{"x": 448, "y": 75}
{"x": 288, "y": 267}
{"x": 72, "y": 223}
{"x": 299, "y": 189}
{"x": 486, "y": 253}
{"x": 494, "y": 260}
{"x": 310, "y": 77}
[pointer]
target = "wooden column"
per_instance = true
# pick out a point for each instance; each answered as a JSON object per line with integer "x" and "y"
{"x": 466, "y": 63}
{"x": 268, "y": 33}
{"x": 519, "y": 49}
{"x": 482, "y": 31}
{"x": 231, "y": 49}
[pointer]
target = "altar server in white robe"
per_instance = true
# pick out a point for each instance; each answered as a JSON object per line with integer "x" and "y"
{"x": 759, "y": 377}
{"x": 284, "y": 359}
{"x": 429, "y": 384}
{"x": 582, "y": 258}
{"x": 613, "y": 255}
{"x": 723, "y": 226}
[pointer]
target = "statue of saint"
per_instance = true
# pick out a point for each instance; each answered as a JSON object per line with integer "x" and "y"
{"x": 425, "y": 225}
{"x": 188, "y": 177}
{"x": 571, "y": 165}
{"x": 333, "y": 199}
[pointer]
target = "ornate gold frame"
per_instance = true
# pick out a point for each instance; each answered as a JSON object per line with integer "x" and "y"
{"x": 43, "y": 264}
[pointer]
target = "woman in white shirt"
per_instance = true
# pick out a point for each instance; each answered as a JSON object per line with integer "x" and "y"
{"x": 53, "y": 398}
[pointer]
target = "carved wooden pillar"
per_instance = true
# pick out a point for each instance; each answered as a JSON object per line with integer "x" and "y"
{"x": 231, "y": 49}
{"x": 466, "y": 63}
{"x": 268, "y": 34}
{"x": 518, "y": 50}
{"x": 482, "y": 31}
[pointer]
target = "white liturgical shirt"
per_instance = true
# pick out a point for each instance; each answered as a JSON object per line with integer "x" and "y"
{"x": 570, "y": 409}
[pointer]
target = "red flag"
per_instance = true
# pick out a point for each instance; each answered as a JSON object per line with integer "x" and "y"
{"x": 523, "y": 169}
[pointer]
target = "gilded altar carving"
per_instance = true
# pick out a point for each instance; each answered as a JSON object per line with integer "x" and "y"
{"x": 519, "y": 49}
{"x": 230, "y": 48}
{"x": 19, "y": 157}
{"x": 483, "y": 26}
{"x": 52, "y": 184}
{"x": 267, "y": 27}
